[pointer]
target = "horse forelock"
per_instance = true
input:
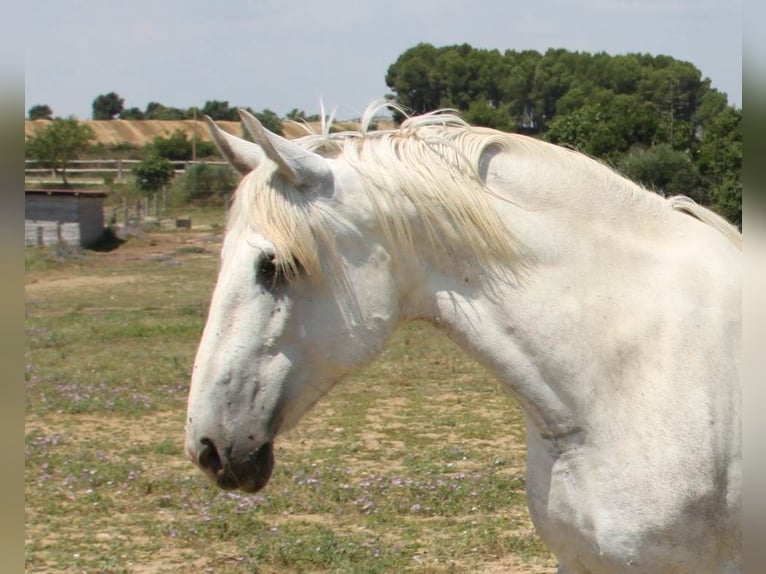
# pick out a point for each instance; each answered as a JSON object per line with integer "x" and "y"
{"x": 429, "y": 165}
{"x": 284, "y": 215}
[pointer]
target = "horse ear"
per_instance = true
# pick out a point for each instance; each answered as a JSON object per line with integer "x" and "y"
{"x": 245, "y": 156}
{"x": 299, "y": 166}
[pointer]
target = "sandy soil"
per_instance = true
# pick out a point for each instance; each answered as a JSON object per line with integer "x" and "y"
{"x": 143, "y": 132}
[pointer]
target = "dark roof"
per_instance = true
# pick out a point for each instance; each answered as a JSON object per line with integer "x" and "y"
{"x": 74, "y": 192}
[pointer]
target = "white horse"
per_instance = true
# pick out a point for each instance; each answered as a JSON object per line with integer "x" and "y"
{"x": 610, "y": 313}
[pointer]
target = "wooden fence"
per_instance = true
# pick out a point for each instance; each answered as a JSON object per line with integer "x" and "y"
{"x": 118, "y": 169}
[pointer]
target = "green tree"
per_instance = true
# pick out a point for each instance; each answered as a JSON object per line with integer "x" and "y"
{"x": 482, "y": 113}
{"x": 132, "y": 114}
{"x": 554, "y": 75}
{"x": 726, "y": 199}
{"x": 608, "y": 129}
{"x": 175, "y": 147}
{"x": 107, "y": 106}
{"x": 516, "y": 84}
{"x": 156, "y": 111}
{"x": 621, "y": 73}
{"x": 416, "y": 80}
{"x": 720, "y": 163}
{"x": 664, "y": 169}
{"x": 153, "y": 172}
{"x": 40, "y": 112}
{"x": 60, "y": 143}
{"x": 270, "y": 121}
{"x": 205, "y": 183}
{"x": 710, "y": 104}
{"x": 220, "y": 111}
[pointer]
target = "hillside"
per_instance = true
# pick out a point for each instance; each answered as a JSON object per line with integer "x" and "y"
{"x": 143, "y": 132}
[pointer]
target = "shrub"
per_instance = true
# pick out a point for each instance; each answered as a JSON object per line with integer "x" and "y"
{"x": 175, "y": 147}
{"x": 178, "y": 147}
{"x": 206, "y": 149}
{"x": 205, "y": 183}
{"x": 664, "y": 169}
{"x": 153, "y": 172}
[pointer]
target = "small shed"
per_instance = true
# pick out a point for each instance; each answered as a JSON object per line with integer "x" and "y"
{"x": 74, "y": 216}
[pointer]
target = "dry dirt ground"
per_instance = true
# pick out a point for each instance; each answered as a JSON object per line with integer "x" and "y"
{"x": 143, "y": 132}
{"x": 147, "y": 246}
{"x": 137, "y": 132}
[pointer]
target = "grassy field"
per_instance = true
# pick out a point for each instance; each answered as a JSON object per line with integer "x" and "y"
{"x": 415, "y": 464}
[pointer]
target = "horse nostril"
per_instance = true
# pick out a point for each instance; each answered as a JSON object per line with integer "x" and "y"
{"x": 209, "y": 458}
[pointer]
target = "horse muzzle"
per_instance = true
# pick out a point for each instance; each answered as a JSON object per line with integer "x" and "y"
{"x": 249, "y": 474}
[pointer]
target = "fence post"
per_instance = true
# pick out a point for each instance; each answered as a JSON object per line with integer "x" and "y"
{"x": 40, "y": 236}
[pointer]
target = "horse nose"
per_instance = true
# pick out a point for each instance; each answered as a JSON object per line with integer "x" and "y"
{"x": 208, "y": 458}
{"x": 249, "y": 473}
{"x": 219, "y": 468}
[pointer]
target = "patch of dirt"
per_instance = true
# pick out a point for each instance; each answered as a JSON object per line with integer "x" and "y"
{"x": 161, "y": 244}
{"x": 511, "y": 564}
{"x": 149, "y": 246}
{"x": 145, "y": 430}
{"x": 142, "y": 132}
{"x": 137, "y": 132}
{"x": 40, "y": 285}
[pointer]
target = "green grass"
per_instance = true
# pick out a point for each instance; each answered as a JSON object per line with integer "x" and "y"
{"x": 415, "y": 464}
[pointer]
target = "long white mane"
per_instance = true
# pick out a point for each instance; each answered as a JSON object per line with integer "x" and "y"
{"x": 430, "y": 164}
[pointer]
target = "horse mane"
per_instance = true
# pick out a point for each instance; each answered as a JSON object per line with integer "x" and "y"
{"x": 430, "y": 164}
{"x": 690, "y": 207}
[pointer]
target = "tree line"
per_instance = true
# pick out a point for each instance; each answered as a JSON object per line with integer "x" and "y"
{"x": 111, "y": 106}
{"x": 654, "y": 118}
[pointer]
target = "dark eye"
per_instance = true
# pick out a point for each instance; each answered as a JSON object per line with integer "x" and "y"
{"x": 270, "y": 272}
{"x": 267, "y": 270}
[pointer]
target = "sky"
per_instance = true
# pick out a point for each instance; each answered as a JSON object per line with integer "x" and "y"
{"x": 289, "y": 54}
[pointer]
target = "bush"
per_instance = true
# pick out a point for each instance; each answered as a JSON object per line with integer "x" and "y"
{"x": 153, "y": 172}
{"x": 62, "y": 141}
{"x": 204, "y": 183}
{"x": 206, "y": 149}
{"x": 176, "y": 147}
{"x": 668, "y": 171}
{"x": 726, "y": 199}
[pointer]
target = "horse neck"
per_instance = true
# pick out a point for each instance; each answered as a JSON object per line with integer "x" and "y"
{"x": 537, "y": 333}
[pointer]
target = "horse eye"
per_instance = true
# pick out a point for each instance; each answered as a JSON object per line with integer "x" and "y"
{"x": 267, "y": 270}
{"x": 270, "y": 272}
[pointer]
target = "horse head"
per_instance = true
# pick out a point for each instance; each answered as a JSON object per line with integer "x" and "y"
{"x": 279, "y": 334}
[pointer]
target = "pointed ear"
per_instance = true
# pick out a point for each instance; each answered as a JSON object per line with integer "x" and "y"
{"x": 299, "y": 166}
{"x": 243, "y": 155}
